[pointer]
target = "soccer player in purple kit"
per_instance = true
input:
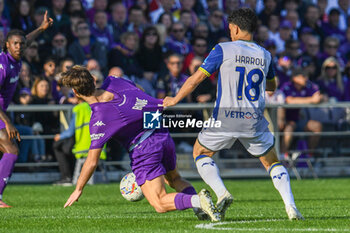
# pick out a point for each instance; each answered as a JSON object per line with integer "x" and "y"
{"x": 117, "y": 112}
{"x": 10, "y": 65}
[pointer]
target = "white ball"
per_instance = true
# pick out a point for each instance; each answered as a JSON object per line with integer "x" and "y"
{"x": 130, "y": 189}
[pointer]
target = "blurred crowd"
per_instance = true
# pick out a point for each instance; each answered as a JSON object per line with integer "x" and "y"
{"x": 158, "y": 44}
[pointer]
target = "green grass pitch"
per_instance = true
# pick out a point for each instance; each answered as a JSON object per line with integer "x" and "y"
{"x": 325, "y": 203}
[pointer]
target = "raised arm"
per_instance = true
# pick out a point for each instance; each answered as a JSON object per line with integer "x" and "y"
{"x": 190, "y": 84}
{"x": 86, "y": 172}
{"x": 47, "y": 22}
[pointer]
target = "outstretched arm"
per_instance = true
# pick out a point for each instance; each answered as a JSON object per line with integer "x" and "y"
{"x": 47, "y": 22}
{"x": 88, "y": 168}
{"x": 190, "y": 84}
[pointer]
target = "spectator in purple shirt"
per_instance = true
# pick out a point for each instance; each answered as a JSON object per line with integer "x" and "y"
{"x": 136, "y": 20}
{"x": 119, "y": 20}
{"x": 86, "y": 47}
{"x": 124, "y": 55}
{"x": 171, "y": 83}
{"x": 330, "y": 49}
{"x": 99, "y": 5}
{"x": 292, "y": 50}
{"x": 300, "y": 91}
{"x": 101, "y": 30}
{"x": 331, "y": 28}
{"x": 176, "y": 42}
{"x": 331, "y": 82}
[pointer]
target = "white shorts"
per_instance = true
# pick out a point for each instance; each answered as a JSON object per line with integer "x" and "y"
{"x": 256, "y": 146}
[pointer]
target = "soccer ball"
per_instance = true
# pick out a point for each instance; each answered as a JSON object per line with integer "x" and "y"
{"x": 129, "y": 188}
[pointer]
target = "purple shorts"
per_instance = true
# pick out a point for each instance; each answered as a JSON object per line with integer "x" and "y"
{"x": 2, "y": 124}
{"x": 153, "y": 157}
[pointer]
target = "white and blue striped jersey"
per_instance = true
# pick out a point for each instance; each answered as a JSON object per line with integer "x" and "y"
{"x": 243, "y": 67}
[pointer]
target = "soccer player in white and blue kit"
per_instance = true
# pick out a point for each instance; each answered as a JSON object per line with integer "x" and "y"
{"x": 245, "y": 72}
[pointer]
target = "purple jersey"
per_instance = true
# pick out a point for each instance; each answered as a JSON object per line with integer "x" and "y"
{"x": 122, "y": 117}
{"x": 331, "y": 88}
{"x": 290, "y": 90}
{"x": 9, "y": 70}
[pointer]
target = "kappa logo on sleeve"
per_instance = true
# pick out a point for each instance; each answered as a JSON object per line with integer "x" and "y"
{"x": 99, "y": 123}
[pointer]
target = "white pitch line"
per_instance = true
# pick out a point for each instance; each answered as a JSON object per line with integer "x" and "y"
{"x": 213, "y": 226}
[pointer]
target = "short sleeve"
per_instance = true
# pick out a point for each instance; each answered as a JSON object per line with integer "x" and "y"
{"x": 286, "y": 90}
{"x": 99, "y": 134}
{"x": 271, "y": 72}
{"x": 313, "y": 89}
{"x": 213, "y": 62}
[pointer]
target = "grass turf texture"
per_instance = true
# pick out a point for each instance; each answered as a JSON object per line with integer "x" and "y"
{"x": 325, "y": 203}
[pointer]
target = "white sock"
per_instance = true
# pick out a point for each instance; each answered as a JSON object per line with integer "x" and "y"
{"x": 0, "y": 197}
{"x": 210, "y": 173}
{"x": 195, "y": 201}
{"x": 280, "y": 179}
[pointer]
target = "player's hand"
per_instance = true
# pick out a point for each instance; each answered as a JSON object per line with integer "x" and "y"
{"x": 56, "y": 138}
{"x": 169, "y": 101}
{"x": 73, "y": 198}
{"x": 12, "y": 132}
{"x": 47, "y": 22}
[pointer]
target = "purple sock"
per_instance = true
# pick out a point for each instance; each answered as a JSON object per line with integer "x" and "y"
{"x": 6, "y": 167}
{"x": 189, "y": 190}
{"x": 183, "y": 201}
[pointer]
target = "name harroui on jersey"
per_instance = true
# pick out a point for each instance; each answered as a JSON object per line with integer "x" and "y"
{"x": 250, "y": 60}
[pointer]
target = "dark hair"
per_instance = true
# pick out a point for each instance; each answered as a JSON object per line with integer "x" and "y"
{"x": 193, "y": 41}
{"x": 172, "y": 54}
{"x": 14, "y": 32}
{"x": 245, "y": 19}
{"x": 78, "y": 78}
{"x": 184, "y": 12}
{"x": 137, "y": 8}
{"x": 78, "y": 14}
{"x": 148, "y": 30}
{"x": 49, "y": 59}
{"x": 162, "y": 15}
{"x": 299, "y": 71}
{"x": 80, "y": 22}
